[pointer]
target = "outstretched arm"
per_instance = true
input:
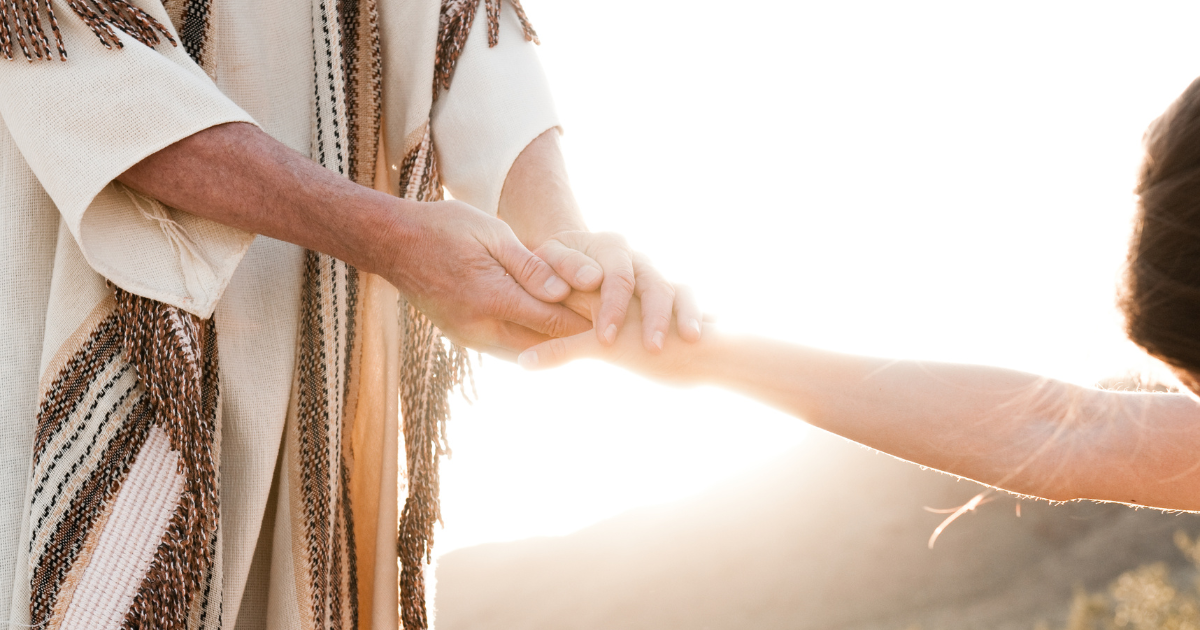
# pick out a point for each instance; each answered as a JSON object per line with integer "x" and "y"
{"x": 465, "y": 270}
{"x": 1017, "y": 431}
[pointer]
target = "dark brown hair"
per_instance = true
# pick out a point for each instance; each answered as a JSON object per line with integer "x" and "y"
{"x": 1161, "y": 291}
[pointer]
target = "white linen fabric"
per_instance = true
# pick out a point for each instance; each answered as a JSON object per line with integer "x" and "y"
{"x": 69, "y": 128}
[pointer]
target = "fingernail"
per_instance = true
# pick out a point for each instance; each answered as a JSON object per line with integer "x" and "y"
{"x": 587, "y": 275}
{"x": 610, "y": 333}
{"x": 657, "y": 340}
{"x": 694, "y": 325}
{"x": 527, "y": 359}
{"x": 556, "y": 286}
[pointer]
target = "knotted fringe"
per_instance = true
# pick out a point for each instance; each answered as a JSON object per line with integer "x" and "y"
{"x": 175, "y": 356}
{"x": 430, "y": 369}
{"x": 455, "y": 25}
{"x": 22, "y": 24}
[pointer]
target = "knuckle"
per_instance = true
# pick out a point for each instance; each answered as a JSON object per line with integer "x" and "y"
{"x": 624, "y": 279}
{"x": 556, "y": 349}
{"x": 660, "y": 319}
{"x": 552, "y": 247}
{"x": 529, "y": 267}
{"x": 555, "y": 325}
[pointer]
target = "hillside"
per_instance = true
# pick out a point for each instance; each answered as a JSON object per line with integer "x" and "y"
{"x": 830, "y": 536}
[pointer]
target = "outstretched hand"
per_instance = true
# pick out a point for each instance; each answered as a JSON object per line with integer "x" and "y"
{"x": 603, "y": 261}
{"x": 673, "y": 363}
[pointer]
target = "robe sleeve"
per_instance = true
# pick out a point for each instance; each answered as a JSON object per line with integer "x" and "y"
{"x": 81, "y": 123}
{"x": 498, "y": 102}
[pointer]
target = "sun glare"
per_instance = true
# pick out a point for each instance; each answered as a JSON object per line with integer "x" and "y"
{"x": 940, "y": 180}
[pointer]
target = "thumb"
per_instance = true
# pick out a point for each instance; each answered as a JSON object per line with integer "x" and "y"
{"x": 563, "y": 350}
{"x": 531, "y": 272}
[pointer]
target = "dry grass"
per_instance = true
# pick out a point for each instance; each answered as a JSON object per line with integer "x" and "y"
{"x": 1146, "y": 598}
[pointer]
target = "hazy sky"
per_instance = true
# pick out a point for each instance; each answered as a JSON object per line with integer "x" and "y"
{"x": 941, "y": 180}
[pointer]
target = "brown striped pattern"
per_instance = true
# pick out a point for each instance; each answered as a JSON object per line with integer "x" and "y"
{"x": 194, "y": 24}
{"x": 175, "y": 354}
{"x": 146, "y": 364}
{"x": 87, "y": 395}
{"x": 345, "y": 140}
{"x": 362, "y": 67}
{"x": 326, "y": 341}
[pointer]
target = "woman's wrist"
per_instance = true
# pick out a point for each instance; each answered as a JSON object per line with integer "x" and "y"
{"x": 706, "y": 362}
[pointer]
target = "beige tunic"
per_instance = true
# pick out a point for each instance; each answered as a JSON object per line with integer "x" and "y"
{"x": 70, "y": 128}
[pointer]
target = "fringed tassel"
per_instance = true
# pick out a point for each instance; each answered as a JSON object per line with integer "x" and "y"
{"x": 454, "y": 26}
{"x": 22, "y": 25}
{"x": 526, "y": 25}
{"x": 430, "y": 369}
{"x": 175, "y": 355}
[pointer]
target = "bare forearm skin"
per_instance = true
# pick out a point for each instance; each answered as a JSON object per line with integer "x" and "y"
{"x": 537, "y": 200}
{"x": 237, "y": 175}
{"x": 1016, "y": 431}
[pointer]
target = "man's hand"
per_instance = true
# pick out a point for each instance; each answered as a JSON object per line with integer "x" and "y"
{"x": 470, "y": 275}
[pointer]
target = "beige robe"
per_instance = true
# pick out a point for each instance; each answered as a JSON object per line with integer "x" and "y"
{"x": 70, "y": 128}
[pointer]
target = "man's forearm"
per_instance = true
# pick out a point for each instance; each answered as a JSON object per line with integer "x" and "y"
{"x": 237, "y": 175}
{"x": 462, "y": 268}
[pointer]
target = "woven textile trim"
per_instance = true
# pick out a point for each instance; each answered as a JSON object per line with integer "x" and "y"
{"x": 124, "y": 504}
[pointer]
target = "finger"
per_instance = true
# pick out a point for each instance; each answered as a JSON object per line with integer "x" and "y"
{"x": 586, "y": 304}
{"x": 500, "y": 339}
{"x": 658, "y": 302}
{"x": 556, "y": 352}
{"x": 510, "y": 303}
{"x": 511, "y": 339}
{"x": 615, "y": 292}
{"x": 574, "y": 266}
{"x": 687, "y": 313}
{"x": 531, "y": 272}
{"x": 500, "y": 353}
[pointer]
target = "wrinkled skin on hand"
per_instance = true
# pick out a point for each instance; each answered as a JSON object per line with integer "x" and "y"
{"x": 470, "y": 275}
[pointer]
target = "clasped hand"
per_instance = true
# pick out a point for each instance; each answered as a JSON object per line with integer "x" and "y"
{"x": 472, "y": 277}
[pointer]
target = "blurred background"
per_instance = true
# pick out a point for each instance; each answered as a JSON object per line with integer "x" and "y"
{"x": 940, "y": 180}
